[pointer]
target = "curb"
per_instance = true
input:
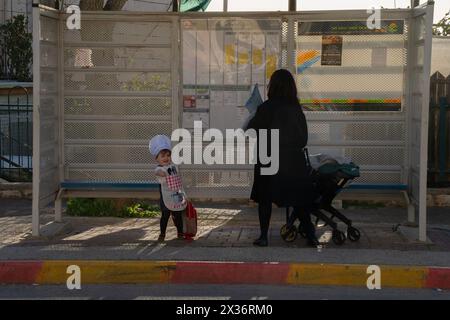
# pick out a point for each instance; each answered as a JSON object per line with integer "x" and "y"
{"x": 269, "y": 273}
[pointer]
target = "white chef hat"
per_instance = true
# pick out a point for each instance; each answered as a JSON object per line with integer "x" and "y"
{"x": 158, "y": 143}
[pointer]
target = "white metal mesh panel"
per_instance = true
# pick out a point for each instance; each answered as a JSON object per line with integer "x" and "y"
{"x": 345, "y": 132}
{"x": 391, "y": 158}
{"x": 119, "y": 107}
{"x": 284, "y": 44}
{"x": 116, "y": 154}
{"x": 49, "y": 81}
{"x": 337, "y": 96}
{"x": 118, "y": 94}
{"x": 49, "y": 106}
{"x": 359, "y": 72}
{"x": 49, "y": 55}
{"x": 218, "y": 183}
{"x": 112, "y": 108}
{"x": 49, "y": 30}
{"x": 122, "y": 82}
{"x": 105, "y": 130}
{"x": 123, "y": 58}
{"x": 382, "y": 177}
{"x": 118, "y": 32}
{"x": 109, "y": 174}
{"x": 417, "y": 104}
{"x": 48, "y": 111}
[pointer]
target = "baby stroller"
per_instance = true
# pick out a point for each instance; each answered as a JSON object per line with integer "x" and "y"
{"x": 329, "y": 177}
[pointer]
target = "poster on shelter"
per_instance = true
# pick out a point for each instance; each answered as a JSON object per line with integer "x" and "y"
{"x": 331, "y": 51}
{"x": 222, "y": 60}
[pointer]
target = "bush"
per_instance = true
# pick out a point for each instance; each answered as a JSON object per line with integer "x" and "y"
{"x": 16, "y": 44}
{"x": 108, "y": 208}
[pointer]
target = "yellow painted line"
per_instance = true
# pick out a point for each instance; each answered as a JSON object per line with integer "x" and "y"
{"x": 98, "y": 272}
{"x": 158, "y": 272}
{"x": 355, "y": 275}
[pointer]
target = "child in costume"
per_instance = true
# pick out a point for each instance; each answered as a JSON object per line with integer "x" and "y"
{"x": 173, "y": 200}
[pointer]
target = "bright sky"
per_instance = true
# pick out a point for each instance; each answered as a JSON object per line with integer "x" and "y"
{"x": 440, "y": 7}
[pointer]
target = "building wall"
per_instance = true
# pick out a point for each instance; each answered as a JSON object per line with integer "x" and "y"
{"x": 440, "y": 58}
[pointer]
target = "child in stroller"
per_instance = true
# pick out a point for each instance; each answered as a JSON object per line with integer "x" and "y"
{"x": 329, "y": 176}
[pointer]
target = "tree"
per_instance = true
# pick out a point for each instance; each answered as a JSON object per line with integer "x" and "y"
{"x": 16, "y": 42}
{"x": 442, "y": 28}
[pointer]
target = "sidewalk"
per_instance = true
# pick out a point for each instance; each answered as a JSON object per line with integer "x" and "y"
{"x": 224, "y": 244}
{"x": 221, "y": 226}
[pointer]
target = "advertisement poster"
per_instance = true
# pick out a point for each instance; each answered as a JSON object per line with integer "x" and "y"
{"x": 331, "y": 51}
{"x": 222, "y": 60}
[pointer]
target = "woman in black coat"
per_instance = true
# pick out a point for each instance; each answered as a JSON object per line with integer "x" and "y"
{"x": 290, "y": 186}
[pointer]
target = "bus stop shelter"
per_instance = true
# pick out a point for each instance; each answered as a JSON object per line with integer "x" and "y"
{"x": 101, "y": 92}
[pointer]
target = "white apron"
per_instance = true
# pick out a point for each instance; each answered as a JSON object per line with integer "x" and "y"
{"x": 173, "y": 195}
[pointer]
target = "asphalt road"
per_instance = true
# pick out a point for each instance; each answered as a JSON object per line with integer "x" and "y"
{"x": 217, "y": 292}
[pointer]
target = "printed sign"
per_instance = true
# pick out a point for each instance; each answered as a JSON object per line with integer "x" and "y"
{"x": 331, "y": 51}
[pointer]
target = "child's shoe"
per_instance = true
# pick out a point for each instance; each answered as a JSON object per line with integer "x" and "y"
{"x": 180, "y": 236}
{"x": 161, "y": 237}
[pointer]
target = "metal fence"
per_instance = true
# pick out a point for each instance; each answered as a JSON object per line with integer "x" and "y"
{"x": 439, "y": 131}
{"x": 16, "y": 138}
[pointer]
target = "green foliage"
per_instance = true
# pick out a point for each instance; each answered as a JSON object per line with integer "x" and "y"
{"x": 16, "y": 42}
{"x": 108, "y": 208}
{"x": 140, "y": 210}
{"x": 91, "y": 207}
{"x": 442, "y": 28}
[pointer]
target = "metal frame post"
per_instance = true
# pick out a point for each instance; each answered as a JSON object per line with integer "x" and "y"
{"x": 424, "y": 122}
{"x": 411, "y": 57}
{"x": 60, "y": 114}
{"x": 292, "y": 5}
{"x": 35, "y": 225}
{"x": 175, "y": 6}
{"x": 290, "y": 59}
{"x": 176, "y": 73}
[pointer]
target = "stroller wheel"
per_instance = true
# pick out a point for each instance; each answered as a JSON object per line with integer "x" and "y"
{"x": 288, "y": 233}
{"x": 338, "y": 237}
{"x": 301, "y": 230}
{"x": 353, "y": 234}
